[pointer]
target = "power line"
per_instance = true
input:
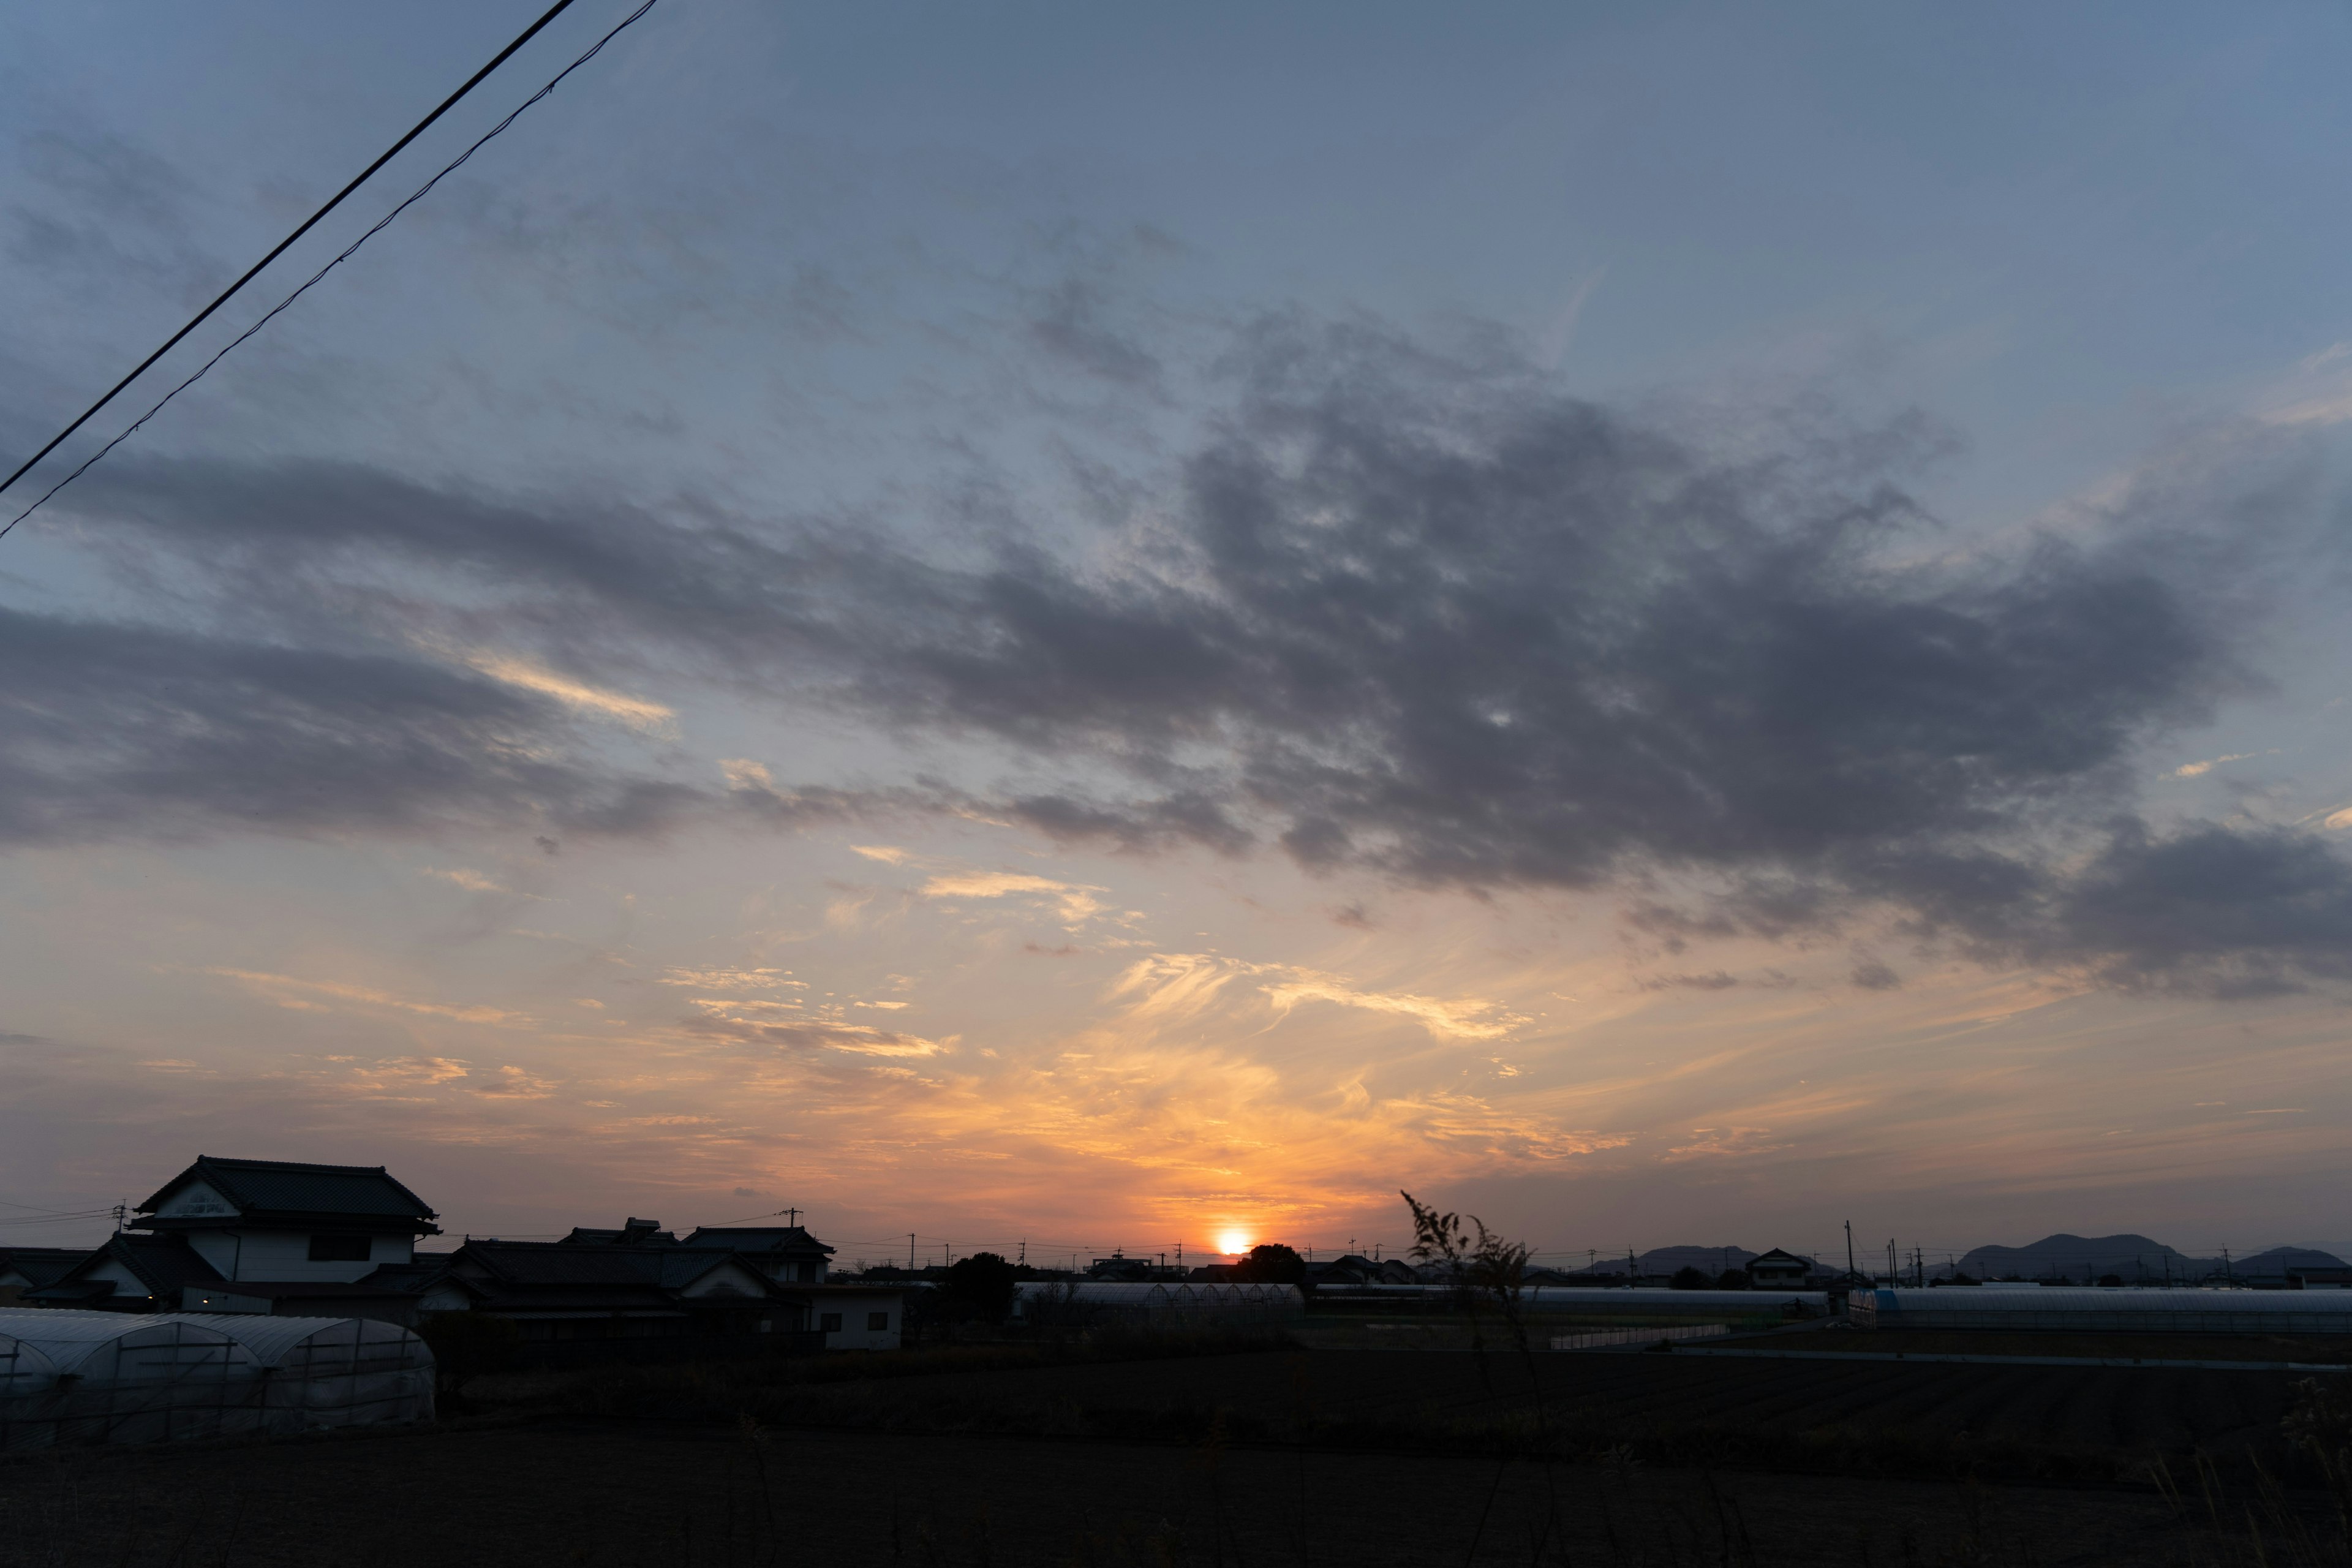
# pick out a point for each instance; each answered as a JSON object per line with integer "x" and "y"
{"x": 255, "y": 270}
{"x": 345, "y": 255}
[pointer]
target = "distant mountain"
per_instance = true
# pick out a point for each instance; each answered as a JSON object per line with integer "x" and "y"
{"x": 2135, "y": 1259}
{"x": 2073, "y": 1257}
{"x": 2076, "y": 1258}
{"x": 2278, "y": 1261}
{"x": 1708, "y": 1260}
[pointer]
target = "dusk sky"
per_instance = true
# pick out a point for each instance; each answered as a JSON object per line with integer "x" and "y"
{"x": 1139, "y": 626}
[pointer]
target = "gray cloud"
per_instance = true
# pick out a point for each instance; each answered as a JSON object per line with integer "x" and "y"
{"x": 2234, "y": 912}
{"x": 110, "y": 729}
{"x": 1872, "y": 975}
{"x": 1397, "y": 612}
{"x": 109, "y": 212}
{"x": 1715, "y": 980}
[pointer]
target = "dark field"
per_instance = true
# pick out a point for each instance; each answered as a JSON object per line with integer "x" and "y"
{"x": 2279, "y": 1348}
{"x": 1004, "y": 1456}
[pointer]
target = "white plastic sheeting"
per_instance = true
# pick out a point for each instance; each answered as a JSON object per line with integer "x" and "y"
{"x": 2107, "y": 1310}
{"x": 113, "y": 1377}
{"x": 1601, "y": 1301}
{"x": 1089, "y": 1302}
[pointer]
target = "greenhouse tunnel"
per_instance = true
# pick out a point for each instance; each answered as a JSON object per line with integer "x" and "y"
{"x": 71, "y": 1377}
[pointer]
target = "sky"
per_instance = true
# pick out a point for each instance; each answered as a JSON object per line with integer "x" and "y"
{"x": 1036, "y": 626}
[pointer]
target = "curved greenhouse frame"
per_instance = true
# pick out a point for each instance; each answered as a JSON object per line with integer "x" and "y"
{"x": 108, "y": 1377}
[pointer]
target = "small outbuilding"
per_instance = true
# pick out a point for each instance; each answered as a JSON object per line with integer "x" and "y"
{"x": 1778, "y": 1270}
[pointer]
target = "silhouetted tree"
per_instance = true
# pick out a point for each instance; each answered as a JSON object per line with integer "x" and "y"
{"x": 1733, "y": 1280}
{"x": 1271, "y": 1263}
{"x": 978, "y": 1287}
{"x": 1687, "y": 1279}
{"x": 1489, "y": 1269}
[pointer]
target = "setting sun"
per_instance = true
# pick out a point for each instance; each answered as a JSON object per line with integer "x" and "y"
{"x": 1231, "y": 1241}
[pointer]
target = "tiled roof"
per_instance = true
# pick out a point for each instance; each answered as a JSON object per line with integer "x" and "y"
{"x": 162, "y": 1263}
{"x": 42, "y": 1265}
{"x": 281, "y": 1186}
{"x": 757, "y": 1239}
{"x": 554, "y": 1263}
{"x": 545, "y": 1263}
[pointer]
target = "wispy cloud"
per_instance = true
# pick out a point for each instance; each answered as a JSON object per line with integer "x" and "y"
{"x": 2199, "y": 770}
{"x": 277, "y": 987}
{"x": 757, "y": 1024}
{"x": 1077, "y": 900}
{"x": 732, "y": 978}
{"x": 1725, "y": 1143}
{"x": 1470, "y": 1018}
{"x": 472, "y": 881}
{"x": 1173, "y": 985}
{"x": 514, "y": 670}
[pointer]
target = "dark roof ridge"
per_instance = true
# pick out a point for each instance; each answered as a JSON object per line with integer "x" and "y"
{"x": 222, "y": 1172}
{"x": 234, "y": 1162}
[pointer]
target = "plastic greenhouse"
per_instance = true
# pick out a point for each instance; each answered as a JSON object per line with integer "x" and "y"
{"x": 2108, "y": 1309}
{"x": 109, "y": 1378}
{"x": 1603, "y": 1300}
{"x": 1107, "y": 1302}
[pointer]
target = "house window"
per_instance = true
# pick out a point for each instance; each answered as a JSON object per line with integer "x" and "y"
{"x": 878, "y": 1322}
{"x": 830, "y": 1322}
{"x": 338, "y": 1248}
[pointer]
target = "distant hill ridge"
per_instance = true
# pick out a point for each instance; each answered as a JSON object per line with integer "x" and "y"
{"x": 2061, "y": 1256}
{"x": 2133, "y": 1257}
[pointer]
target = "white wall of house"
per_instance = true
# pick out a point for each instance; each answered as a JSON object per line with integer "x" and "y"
{"x": 728, "y": 1279}
{"x": 128, "y": 1287}
{"x": 197, "y": 1200}
{"x": 240, "y": 1254}
{"x": 849, "y": 1319}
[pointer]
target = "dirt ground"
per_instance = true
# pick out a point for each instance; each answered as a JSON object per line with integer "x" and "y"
{"x": 1274, "y": 1457}
{"x": 608, "y": 1493}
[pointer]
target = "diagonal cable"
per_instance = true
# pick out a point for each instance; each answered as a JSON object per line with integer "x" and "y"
{"x": 255, "y": 270}
{"x": 345, "y": 255}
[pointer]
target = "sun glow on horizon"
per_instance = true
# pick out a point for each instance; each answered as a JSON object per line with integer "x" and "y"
{"x": 1231, "y": 1241}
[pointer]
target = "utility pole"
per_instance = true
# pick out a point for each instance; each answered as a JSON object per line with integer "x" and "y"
{"x": 792, "y": 1216}
{"x": 911, "y": 1252}
{"x": 1891, "y": 1276}
{"x": 1024, "y": 1252}
{"x": 1849, "y": 1249}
